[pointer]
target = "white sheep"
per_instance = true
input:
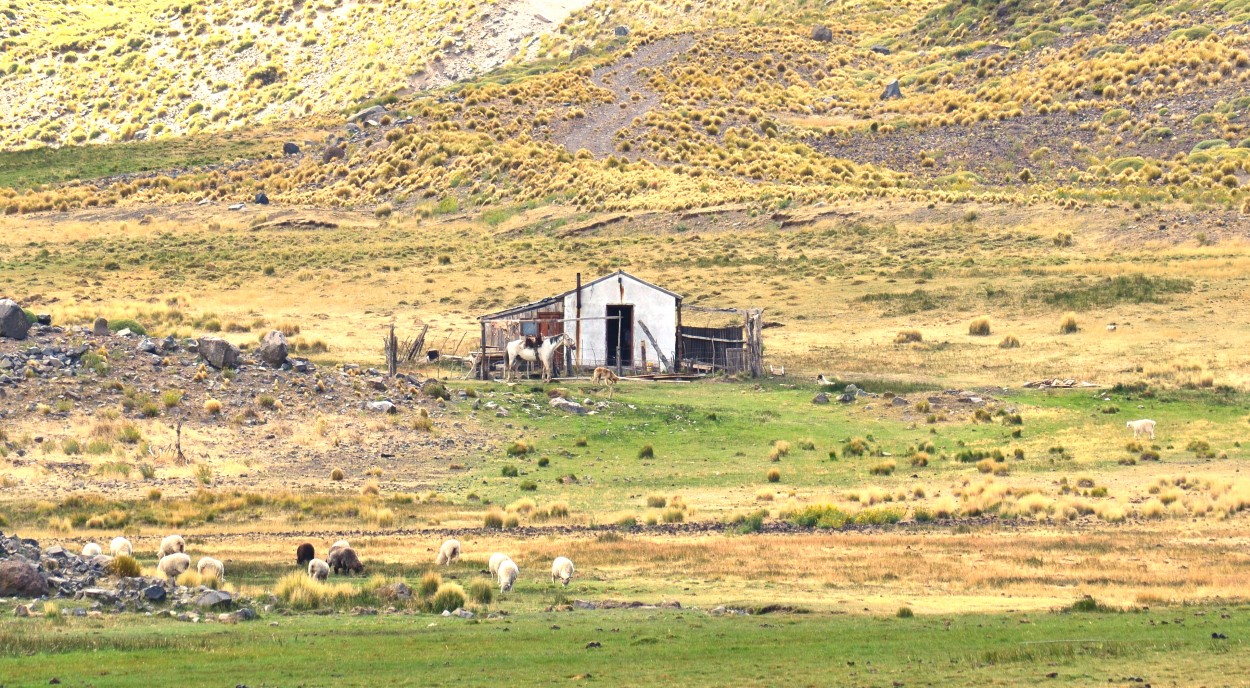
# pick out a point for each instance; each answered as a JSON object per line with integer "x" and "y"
{"x": 448, "y": 553}
{"x": 174, "y": 565}
{"x": 318, "y": 570}
{"x": 217, "y": 568}
{"x": 120, "y": 546}
{"x": 508, "y": 573}
{"x": 172, "y": 544}
{"x": 91, "y": 549}
{"x": 1142, "y": 427}
{"x": 562, "y": 568}
{"x": 495, "y": 560}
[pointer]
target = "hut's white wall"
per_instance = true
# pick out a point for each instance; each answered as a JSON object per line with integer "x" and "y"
{"x": 651, "y": 306}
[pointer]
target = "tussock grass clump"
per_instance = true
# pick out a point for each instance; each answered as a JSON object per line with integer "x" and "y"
{"x": 780, "y": 449}
{"x": 884, "y": 468}
{"x": 337, "y": 475}
{"x": 908, "y": 336}
{"x": 1068, "y": 324}
{"x": 519, "y": 448}
{"x": 370, "y": 489}
{"x": 449, "y": 598}
{"x": 808, "y": 444}
{"x": 1088, "y": 605}
{"x": 124, "y": 566}
{"x": 212, "y": 406}
{"x": 481, "y": 592}
{"x": 922, "y": 406}
{"x": 774, "y": 475}
{"x": 657, "y": 501}
{"x": 979, "y": 327}
{"x": 749, "y": 523}
{"x": 673, "y": 515}
{"x": 172, "y": 398}
{"x": 819, "y": 516}
{"x": 856, "y": 446}
{"x": 581, "y": 442}
{"x": 299, "y": 591}
{"x": 647, "y": 452}
{"x": 509, "y": 471}
{"x": 522, "y": 506}
{"x": 493, "y": 519}
{"x": 904, "y": 613}
{"x": 430, "y": 583}
{"x": 528, "y": 485}
{"x": 920, "y": 459}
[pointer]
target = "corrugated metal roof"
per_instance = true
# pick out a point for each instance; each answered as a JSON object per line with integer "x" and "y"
{"x": 560, "y": 297}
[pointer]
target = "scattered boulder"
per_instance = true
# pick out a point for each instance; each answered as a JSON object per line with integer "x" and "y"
{"x": 899, "y": 401}
{"x": 821, "y": 398}
{"x": 289, "y": 148}
{"x": 892, "y": 91}
{"x": 353, "y": 128}
{"x": 568, "y": 406}
{"x": 154, "y": 593}
{"x": 383, "y": 406}
{"x": 218, "y": 353}
{"x": 849, "y": 394}
{"x": 880, "y": 49}
{"x": 395, "y": 591}
{"x": 20, "y": 578}
{"x": 822, "y": 33}
{"x": 44, "y": 319}
{"x": 273, "y": 349}
{"x": 368, "y": 113}
{"x": 13, "y": 323}
{"x": 214, "y": 599}
{"x": 236, "y": 206}
{"x": 100, "y": 328}
{"x": 621, "y": 31}
{"x": 146, "y": 346}
{"x": 261, "y": 198}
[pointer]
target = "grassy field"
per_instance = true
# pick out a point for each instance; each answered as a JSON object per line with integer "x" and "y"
{"x": 640, "y": 647}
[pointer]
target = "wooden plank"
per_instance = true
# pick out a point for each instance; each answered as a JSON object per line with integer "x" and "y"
{"x": 719, "y": 340}
{"x": 658, "y": 352}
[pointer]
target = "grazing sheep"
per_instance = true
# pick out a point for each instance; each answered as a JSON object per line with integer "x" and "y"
{"x": 344, "y": 560}
{"x": 508, "y": 572}
{"x": 318, "y": 570}
{"x": 174, "y": 565}
{"x": 448, "y": 553}
{"x": 211, "y": 564}
{"x": 1142, "y": 427}
{"x": 340, "y": 543}
{"x": 495, "y": 560}
{"x": 120, "y": 546}
{"x": 171, "y": 545}
{"x": 91, "y": 549}
{"x": 304, "y": 554}
{"x": 562, "y": 568}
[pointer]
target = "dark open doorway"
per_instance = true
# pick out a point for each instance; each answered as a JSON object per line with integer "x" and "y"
{"x": 620, "y": 338}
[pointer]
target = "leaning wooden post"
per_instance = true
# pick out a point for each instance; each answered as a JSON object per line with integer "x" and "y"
{"x": 481, "y": 357}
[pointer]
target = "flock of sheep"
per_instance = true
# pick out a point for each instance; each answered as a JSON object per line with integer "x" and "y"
{"x": 342, "y": 559}
{"x": 173, "y": 560}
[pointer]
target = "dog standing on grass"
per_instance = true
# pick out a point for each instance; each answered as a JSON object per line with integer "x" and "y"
{"x": 607, "y": 377}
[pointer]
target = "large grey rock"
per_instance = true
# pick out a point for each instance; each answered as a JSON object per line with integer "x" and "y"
{"x": 892, "y": 91}
{"x": 218, "y": 352}
{"x": 20, "y": 578}
{"x": 214, "y": 599}
{"x": 101, "y": 328}
{"x": 154, "y": 593}
{"x": 568, "y": 406}
{"x": 383, "y": 406}
{"x": 273, "y": 349}
{"x": 13, "y": 322}
{"x": 822, "y": 34}
{"x": 820, "y": 398}
{"x": 368, "y": 113}
{"x": 621, "y": 31}
{"x": 261, "y": 198}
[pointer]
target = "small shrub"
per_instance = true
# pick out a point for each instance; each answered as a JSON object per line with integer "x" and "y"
{"x": 922, "y": 407}
{"x": 422, "y": 423}
{"x": 1009, "y": 342}
{"x": 124, "y": 566}
{"x": 558, "y": 510}
{"x": 749, "y": 523}
{"x": 1068, "y": 324}
{"x": 509, "y": 471}
{"x": 647, "y": 452}
{"x": 518, "y": 448}
{"x": 337, "y": 475}
{"x": 856, "y": 446}
{"x": 979, "y": 327}
{"x": 544, "y": 462}
{"x": 171, "y": 398}
{"x": 436, "y": 391}
{"x": 808, "y": 445}
{"x": 774, "y": 475}
{"x": 905, "y": 613}
{"x": 528, "y": 485}
{"x": 908, "y": 336}
{"x": 656, "y": 501}
{"x": 493, "y": 519}
{"x": 511, "y": 521}
{"x": 204, "y": 474}
{"x": 147, "y": 470}
{"x": 673, "y": 515}
{"x": 819, "y": 516}
{"x": 212, "y": 406}
{"x": 920, "y": 459}
{"x": 580, "y": 442}
{"x": 71, "y": 447}
{"x": 129, "y": 434}
{"x": 370, "y": 489}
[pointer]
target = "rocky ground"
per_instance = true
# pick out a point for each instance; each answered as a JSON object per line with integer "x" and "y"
{"x": 256, "y": 417}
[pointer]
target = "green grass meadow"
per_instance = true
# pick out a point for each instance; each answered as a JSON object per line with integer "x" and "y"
{"x": 638, "y": 648}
